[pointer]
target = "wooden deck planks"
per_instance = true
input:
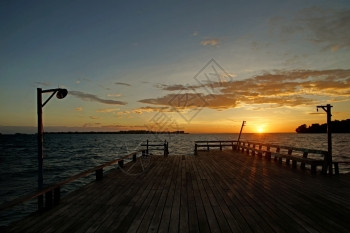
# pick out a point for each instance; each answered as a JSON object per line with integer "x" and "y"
{"x": 212, "y": 192}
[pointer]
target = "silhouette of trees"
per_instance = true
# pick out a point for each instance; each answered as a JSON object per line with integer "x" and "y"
{"x": 337, "y": 127}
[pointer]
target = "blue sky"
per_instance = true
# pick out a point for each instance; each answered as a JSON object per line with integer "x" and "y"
{"x": 124, "y": 61}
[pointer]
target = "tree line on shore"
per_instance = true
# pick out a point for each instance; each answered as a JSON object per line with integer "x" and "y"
{"x": 342, "y": 126}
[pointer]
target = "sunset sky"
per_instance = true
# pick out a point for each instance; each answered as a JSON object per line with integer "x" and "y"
{"x": 198, "y": 66}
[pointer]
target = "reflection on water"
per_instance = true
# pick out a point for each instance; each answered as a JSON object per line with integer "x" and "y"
{"x": 69, "y": 154}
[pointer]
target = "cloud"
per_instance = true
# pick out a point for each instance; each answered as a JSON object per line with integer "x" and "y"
{"x": 211, "y": 42}
{"x": 329, "y": 27}
{"x": 148, "y": 109}
{"x": 301, "y": 86}
{"x": 107, "y": 110}
{"x": 184, "y": 101}
{"x": 176, "y": 87}
{"x": 326, "y": 27}
{"x": 195, "y": 33}
{"x": 91, "y": 125}
{"x": 94, "y": 117}
{"x": 114, "y": 95}
{"x": 275, "y": 89}
{"x": 44, "y": 84}
{"x": 123, "y": 113}
{"x": 79, "y": 109}
{"x": 94, "y": 98}
{"x": 123, "y": 84}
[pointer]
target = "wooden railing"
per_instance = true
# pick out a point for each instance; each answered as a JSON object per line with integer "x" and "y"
{"x": 157, "y": 146}
{"x": 304, "y": 156}
{"x": 52, "y": 194}
{"x": 213, "y": 144}
{"x": 287, "y": 154}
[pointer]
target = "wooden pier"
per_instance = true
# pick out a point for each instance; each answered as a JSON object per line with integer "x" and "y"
{"x": 214, "y": 191}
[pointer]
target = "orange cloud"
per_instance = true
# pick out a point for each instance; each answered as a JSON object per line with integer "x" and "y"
{"x": 211, "y": 42}
{"x": 280, "y": 88}
{"x": 114, "y": 95}
{"x": 151, "y": 109}
{"x": 107, "y": 110}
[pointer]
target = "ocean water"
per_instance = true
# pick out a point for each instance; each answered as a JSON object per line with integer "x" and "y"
{"x": 68, "y": 154}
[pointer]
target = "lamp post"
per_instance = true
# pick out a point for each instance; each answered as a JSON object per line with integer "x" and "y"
{"x": 60, "y": 94}
{"x": 239, "y": 136}
{"x": 327, "y": 108}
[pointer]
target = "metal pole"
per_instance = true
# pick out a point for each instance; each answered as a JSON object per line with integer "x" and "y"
{"x": 239, "y": 136}
{"x": 40, "y": 138}
{"x": 60, "y": 95}
{"x": 40, "y": 147}
{"x": 329, "y": 132}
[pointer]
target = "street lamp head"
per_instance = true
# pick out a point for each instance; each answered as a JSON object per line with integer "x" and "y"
{"x": 61, "y": 93}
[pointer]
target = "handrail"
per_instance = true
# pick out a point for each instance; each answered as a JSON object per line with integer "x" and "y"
{"x": 313, "y": 151}
{"x": 266, "y": 149}
{"x": 215, "y": 141}
{"x": 56, "y": 187}
{"x": 257, "y": 148}
{"x": 219, "y": 144}
{"x": 165, "y": 147}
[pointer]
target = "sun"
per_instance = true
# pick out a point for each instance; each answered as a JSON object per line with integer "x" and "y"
{"x": 260, "y": 129}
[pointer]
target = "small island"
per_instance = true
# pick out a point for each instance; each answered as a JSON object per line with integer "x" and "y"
{"x": 342, "y": 126}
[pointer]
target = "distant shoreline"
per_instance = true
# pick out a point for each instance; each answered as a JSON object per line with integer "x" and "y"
{"x": 108, "y": 132}
{"x": 121, "y": 132}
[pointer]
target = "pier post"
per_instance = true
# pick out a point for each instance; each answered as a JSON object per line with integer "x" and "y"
{"x": 147, "y": 147}
{"x": 253, "y": 150}
{"x": 290, "y": 151}
{"x": 99, "y": 174}
{"x": 268, "y": 153}
{"x": 48, "y": 200}
{"x": 336, "y": 168}
{"x": 278, "y": 149}
{"x": 166, "y": 152}
{"x": 56, "y": 195}
{"x": 259, "y": 152}
{"x": 329, "y": 162}
{"x": 40, "y": 203}
{"x": 302, "y": 165}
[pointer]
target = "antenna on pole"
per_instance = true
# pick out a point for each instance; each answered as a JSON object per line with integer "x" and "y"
{"x": 327, "y": 108}
{"x": 239, "y": 136}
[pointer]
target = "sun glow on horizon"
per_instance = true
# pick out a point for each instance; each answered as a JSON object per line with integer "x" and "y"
{"x": 260, "y": 129}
